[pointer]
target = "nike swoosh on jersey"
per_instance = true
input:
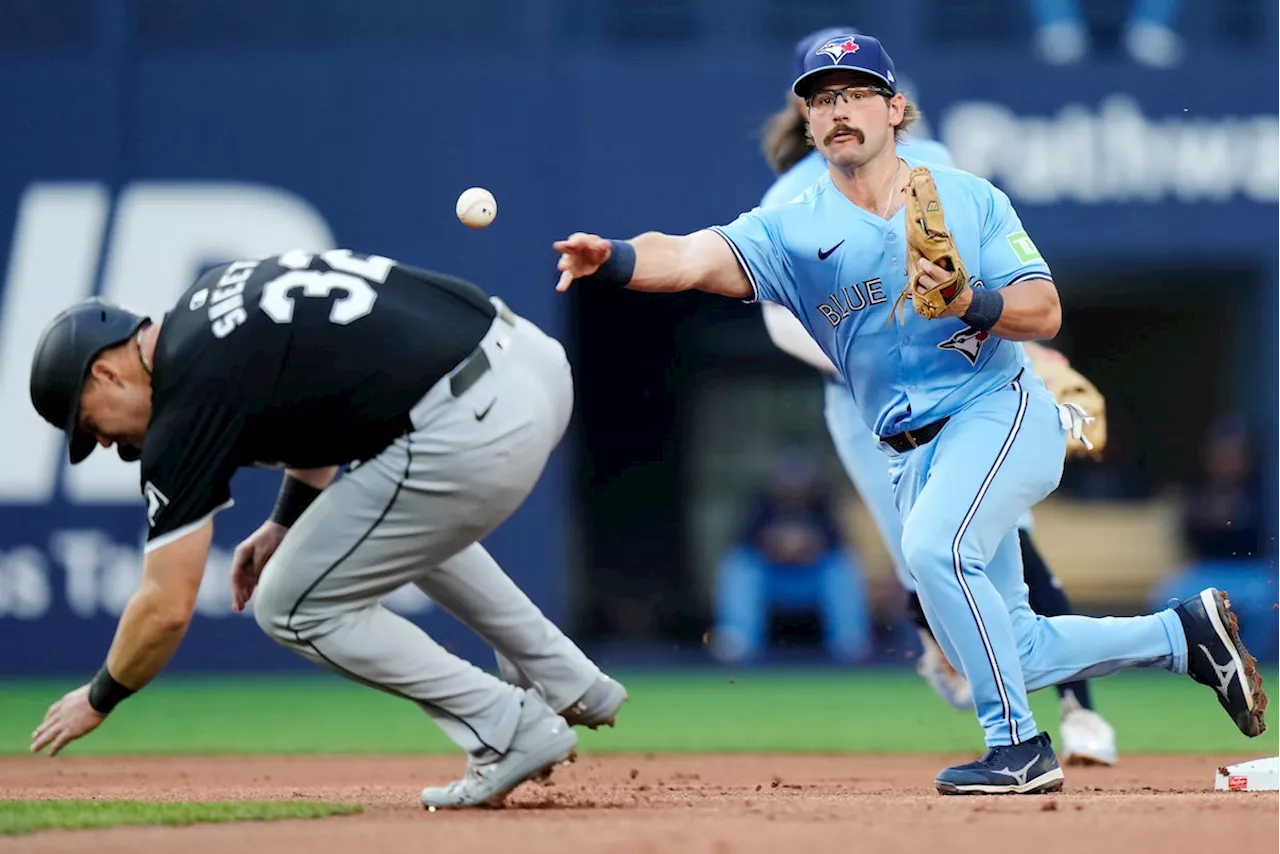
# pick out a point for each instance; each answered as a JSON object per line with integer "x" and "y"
{"x": 822, "y": 256}
{"x": 480, "y": 416}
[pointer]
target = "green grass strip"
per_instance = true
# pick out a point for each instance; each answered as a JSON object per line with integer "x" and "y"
{"x": 19, "y": 817}
{"x": 833, "y": 711}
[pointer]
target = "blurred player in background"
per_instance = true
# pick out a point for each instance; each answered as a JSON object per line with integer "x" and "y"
{"x": 1086, "y": 737}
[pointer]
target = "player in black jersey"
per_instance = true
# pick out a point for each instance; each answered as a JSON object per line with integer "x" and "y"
{"x": 448, "y": 405}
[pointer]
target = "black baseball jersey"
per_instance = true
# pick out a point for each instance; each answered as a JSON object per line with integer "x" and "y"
{"x": 296, "y": 360}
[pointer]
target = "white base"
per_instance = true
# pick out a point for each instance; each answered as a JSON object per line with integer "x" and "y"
{"x": 1260, "y": 775}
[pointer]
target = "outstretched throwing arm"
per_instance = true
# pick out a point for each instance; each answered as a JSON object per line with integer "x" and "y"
{"x": 659, "y": 263}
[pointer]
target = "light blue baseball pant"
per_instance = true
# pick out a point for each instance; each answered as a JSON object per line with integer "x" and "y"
{"x": 960, "y": 497}
{"x": 868, "y": 469}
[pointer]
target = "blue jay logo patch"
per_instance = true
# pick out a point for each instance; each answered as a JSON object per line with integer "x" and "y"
{"x": 967, "y": 342}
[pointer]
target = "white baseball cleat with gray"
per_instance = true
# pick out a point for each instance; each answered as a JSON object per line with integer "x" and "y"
{"x": 599, "y": 706}
{"x": 562, "y": 665}
{"x": 542, "y": 740}
{"x": 1087, "y": 739}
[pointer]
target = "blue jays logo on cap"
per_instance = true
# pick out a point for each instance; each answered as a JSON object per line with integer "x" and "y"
{"x": 852, "y": 51}
{"x": 837, "y": 48}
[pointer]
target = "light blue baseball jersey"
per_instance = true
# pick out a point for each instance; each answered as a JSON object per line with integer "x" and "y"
{"x": 813, "y": 166}
{"x": 839, "y": 268}
{"x": 855, "y": 445}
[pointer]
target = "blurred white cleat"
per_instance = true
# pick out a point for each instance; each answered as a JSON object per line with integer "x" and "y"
{"x": 1087, "y": 739}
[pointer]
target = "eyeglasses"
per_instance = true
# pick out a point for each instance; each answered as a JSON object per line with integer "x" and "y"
{"x": 824, "y": 100}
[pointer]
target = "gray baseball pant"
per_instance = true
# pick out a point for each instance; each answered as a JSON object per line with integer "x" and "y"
{"x": 414, "y": 514}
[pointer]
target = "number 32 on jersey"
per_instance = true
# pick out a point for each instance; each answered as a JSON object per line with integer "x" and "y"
{"x": 353, "y": 275}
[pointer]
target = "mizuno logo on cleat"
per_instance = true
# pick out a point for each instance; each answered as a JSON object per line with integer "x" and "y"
{"x": 1019, "y": 776}
{"x": 1225, "y": 672}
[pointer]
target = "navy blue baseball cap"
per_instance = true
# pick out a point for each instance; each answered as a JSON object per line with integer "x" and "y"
{"x": 846, "y": 50}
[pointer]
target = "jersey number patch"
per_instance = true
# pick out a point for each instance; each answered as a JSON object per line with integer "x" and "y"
{"x": 350, "y": 274}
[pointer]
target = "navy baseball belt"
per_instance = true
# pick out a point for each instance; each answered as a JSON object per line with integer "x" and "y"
{"x": 908, "y": 439}
{"x": 477, "y": 364}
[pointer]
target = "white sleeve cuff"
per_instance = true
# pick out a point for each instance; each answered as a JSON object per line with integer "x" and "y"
{"x": 742, "y": 262}
{"x": 190, "y": 528}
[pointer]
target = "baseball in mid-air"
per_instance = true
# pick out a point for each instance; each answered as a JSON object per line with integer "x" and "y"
{"x": 476, "y": 207}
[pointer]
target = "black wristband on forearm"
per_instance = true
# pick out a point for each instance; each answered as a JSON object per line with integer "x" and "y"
{"x": 294, "y": 498}
{"x": 985, "y": 310}
{"x": 620, "y": 267}
{"x": 105, "y": 692}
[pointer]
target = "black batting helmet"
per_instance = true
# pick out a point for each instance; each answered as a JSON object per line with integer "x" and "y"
{"x": 66, "y": 350}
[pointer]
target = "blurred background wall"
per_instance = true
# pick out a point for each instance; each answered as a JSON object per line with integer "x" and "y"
{"x": 147, "y": 139}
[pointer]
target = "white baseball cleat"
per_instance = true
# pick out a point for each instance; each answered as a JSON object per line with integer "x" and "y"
{"x": 1087, "y": 739}
{"x": 598, "y": 706}
{"x": 948, "y": 682}
{"x": 542, "y": 740}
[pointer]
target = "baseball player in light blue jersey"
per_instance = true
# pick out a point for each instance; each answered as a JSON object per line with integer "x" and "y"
{"x": 973, "y": 438}
{"x": 1086, "y": 736}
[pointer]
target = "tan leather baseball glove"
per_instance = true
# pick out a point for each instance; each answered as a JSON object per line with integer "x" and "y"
{"x": 927, "y": 237}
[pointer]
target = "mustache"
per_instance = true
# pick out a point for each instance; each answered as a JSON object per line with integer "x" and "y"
{"x": 839, "y": 129}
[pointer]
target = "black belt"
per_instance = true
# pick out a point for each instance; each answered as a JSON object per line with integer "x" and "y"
{"x": 908, "y": 439}
{"x": 477, "y": 364}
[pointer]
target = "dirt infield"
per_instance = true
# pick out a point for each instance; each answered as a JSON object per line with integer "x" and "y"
{"x": 662, "y": 804}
